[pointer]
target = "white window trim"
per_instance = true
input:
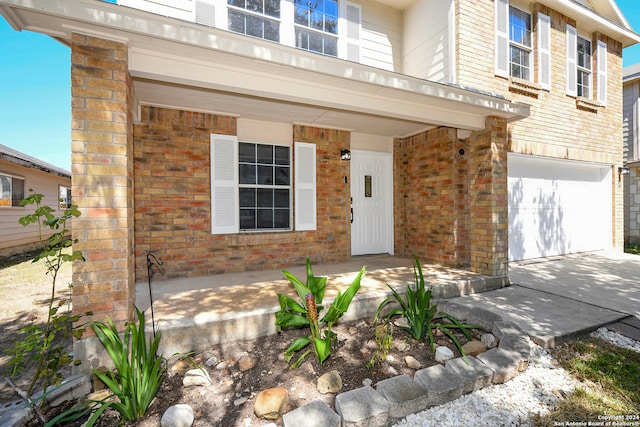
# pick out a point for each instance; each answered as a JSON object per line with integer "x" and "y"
{"x": 584, "y": 69}
{"x": 12, "y": 177}
{"x": 225, "y": 204}
{"x": 528, "y": 49}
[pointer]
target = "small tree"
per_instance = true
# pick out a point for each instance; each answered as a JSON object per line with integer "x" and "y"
{"x": 46, "y": 345}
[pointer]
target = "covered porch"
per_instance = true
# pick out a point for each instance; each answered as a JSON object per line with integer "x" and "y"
{"x": 196, "y": 313}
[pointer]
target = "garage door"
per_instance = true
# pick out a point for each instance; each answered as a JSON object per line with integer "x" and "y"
{"x": 557, "y": 207}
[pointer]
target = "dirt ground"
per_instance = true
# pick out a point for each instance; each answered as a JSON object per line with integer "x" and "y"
{"x": 230, "y": 399}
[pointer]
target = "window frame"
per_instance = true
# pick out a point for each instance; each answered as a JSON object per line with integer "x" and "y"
{"x": 310, "y": 30}
{"x": 264, "y": 17}
{"x": 14, "y": 202}
{"x": 273, "y": 186}
{"x": 514, "y": 44}
{"x": 62, "y": 205}
{"x": 582, "y": 70}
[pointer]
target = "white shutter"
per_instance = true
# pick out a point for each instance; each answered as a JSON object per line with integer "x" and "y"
{"x": 572, "y": 53}
{"x": 224, "y": 184}
{"x": 305, "y": 186}
{"x": 502, "y": 37}
{"x": 602, "y": 71}
{"x": 544, "y": 51}
{"x": 353, "y": 31}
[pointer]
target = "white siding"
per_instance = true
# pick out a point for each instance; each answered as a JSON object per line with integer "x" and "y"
{"x": 181, "y": 9}
{"x": 11, "y": 232}
{"x": 381, "y": 37}
{"x": 630, "y": 105}
{"x": 426, "y": 52}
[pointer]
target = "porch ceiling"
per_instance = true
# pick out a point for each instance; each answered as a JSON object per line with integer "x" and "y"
{"x": 181, "y": 64}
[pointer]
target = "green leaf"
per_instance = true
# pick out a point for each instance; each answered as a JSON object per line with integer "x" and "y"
{"x": 341, "y": 304}
{"x": 290, "y": 320}
{"x": 323, "y": 348}
{"x": 297, "y": 345}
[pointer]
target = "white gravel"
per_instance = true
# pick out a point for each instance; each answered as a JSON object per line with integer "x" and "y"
{"x": 536, "y": 391}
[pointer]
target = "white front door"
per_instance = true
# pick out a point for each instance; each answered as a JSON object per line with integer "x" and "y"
{"x": 371, "y": 203}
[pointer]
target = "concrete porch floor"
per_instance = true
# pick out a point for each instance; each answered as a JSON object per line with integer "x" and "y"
{"x": 196, "y": 313}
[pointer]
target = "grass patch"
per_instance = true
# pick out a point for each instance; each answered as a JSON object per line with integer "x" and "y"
{"x": 632, "y": 249}
{"x": 610, "y": 378}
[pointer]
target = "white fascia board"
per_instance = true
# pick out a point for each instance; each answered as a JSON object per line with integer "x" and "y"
{"x": 581, "y": 14}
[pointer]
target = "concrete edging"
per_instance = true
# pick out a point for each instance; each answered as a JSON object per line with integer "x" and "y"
{"x": 395, "y": 398}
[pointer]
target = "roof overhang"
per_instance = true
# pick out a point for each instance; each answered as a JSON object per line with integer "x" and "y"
{"x": 185, "y": 65}
{"x": 608, "y": 19}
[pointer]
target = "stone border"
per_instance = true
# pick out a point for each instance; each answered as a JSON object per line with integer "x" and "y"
{"x": 395, "y": 398}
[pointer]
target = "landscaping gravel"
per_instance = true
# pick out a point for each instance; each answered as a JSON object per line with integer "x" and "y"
{"x": 536, "y": 391}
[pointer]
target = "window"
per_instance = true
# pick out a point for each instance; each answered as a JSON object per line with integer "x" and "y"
{"x": 583, "y": 62}
{"x": 252, "y": 186}
{"x": 64, "y": 196}
{"x": 257, "y": 18}
{"x": 519, "y": 44}
{"x": 316, "y": 26}
{"x": 11, "y": 190}
{"x": 264, "y": 173}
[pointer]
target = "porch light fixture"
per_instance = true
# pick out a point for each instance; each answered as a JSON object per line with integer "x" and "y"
{"x": 345, "y": 154}
{"x": 623, "y": 170}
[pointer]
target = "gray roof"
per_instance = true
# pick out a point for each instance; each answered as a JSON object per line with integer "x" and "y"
{"x": 631, "y": 72}
{"x": 14, "y": 156}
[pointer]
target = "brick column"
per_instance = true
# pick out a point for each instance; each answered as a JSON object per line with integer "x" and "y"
{"x": 102, "y": 183}
{"x": 488, "y": 199}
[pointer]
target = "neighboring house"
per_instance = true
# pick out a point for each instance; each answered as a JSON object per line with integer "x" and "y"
{"x": 18, "y": 174}
{"x": 212, "y": 133}
{"x": 631, "y": 96}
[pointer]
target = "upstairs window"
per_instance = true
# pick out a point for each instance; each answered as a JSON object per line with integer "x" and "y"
{"x": 316, "y": 26}
{"x": 11, "y": 190}
{"x": 583, "y": 62}
{"x": 257, "y": 18}
{"x": 519, "y": 44}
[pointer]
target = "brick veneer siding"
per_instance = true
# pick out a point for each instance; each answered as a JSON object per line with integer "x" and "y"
{"x": 557, "y": 127}
{"x": 488, "y": 199}
{"x": 102, "y": 181}
{"x": 173, "y": 201}
{"x": 431, "y": 197}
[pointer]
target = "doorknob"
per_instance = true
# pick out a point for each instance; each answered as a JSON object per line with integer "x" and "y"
{"x": 351, "y": 215}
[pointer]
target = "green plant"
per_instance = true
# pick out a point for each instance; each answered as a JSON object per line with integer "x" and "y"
{"x": 305, "y": 313}
{"x": 46, "y": 344}
{"x": 384, "y": 342}
{"x": 139, "y": 372}
{"x": 422, "y": 316}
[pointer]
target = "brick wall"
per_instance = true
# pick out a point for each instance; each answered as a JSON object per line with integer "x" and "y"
{"x": 431, "y": 197}
{"x": 102, "y": 181}
{"x": 173, "y": 201}
{"x": 557, "y": 126}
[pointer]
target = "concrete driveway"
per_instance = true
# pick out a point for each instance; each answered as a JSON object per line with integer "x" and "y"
{"x": 555, "y": 299}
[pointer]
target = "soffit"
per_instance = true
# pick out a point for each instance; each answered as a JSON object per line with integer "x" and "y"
{"x": 182, "y": 64}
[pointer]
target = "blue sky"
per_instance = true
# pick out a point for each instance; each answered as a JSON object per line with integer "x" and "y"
{"x": 35, "y": 100}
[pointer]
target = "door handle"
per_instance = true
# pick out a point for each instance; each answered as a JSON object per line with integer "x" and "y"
{"x": 351, "y": 215}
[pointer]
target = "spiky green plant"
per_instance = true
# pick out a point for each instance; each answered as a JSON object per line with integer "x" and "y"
{"x": 422, "y": 316}
{"x": 294, "y": 314}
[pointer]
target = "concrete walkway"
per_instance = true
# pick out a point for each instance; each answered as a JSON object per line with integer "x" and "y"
{"x": 555, "y": 299}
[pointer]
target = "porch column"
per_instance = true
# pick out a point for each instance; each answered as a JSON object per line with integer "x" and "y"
{"x": 102, "y": 182}
{"x": 488, "y": 199}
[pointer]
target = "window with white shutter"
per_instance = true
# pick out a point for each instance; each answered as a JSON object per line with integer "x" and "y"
{"x": 544, "y": 51}
{"x": 502, "y": 37}
{"x": 572, "y": 52}
{"x": 602, "y": 71}
{"x": 251, "y": 186}
{"x": 305, "y": 186}
{"x": 224, "y": 184}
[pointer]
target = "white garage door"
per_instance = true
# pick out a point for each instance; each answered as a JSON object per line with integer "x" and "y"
{"x": 557, "y": 207}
